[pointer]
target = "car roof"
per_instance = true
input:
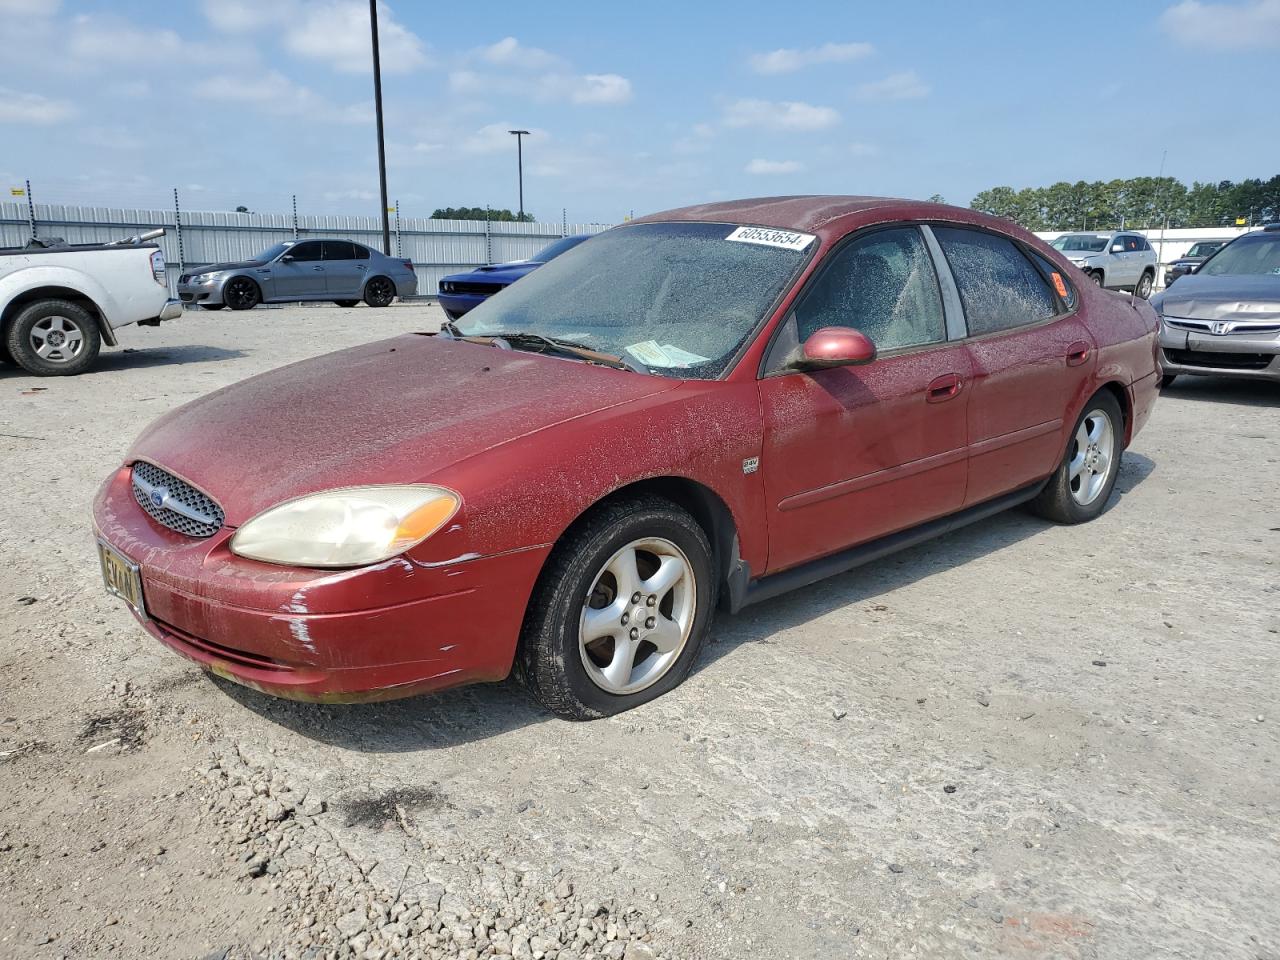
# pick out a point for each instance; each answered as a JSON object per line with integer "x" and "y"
{"x": 830, "y": 216}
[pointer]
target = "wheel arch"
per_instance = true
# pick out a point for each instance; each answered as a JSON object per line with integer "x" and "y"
{"x": 55, "y": 292}
{"x": 1121, "y": 394}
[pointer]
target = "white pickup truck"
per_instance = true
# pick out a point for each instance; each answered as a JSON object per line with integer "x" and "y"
{"x": 60, "y": 303}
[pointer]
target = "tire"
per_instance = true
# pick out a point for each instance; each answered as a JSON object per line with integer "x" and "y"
{"x": 212, "y": 306}
{"x": 580, "y": 678}
{"x": 53, "y": 338}
{"x": 1143, "y": 290}
{"x": 5, "y": 355}
{"x": 1071, "y": 495}
{"x": 1098, "y": 278}
{"x": 346, "y": 303}
{"x": 379, "y": 292}
{"x": 1167, "y": 379}
{"x": 241, "y": 293}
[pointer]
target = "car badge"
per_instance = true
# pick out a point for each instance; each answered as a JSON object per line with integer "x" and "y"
{"x": 158, "y": 496}
{"x": 751, "y": 465}
{"x": 1219, "y": 327}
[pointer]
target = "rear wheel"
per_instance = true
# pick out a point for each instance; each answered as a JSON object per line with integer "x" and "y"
{"x": 213, "y": 306}
{"x": 241, "y": 293}
{"x": 620, "y": 611}
{"x": 1079, "y": 489}
{"x": 379, "y": 292}
{"x": 346, "y": 303}
{"x": 54, "y": 338}
{"x": 1144, "y": 286}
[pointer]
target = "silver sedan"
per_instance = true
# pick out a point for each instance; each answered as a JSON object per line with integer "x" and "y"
{"x": 337, "y": 270}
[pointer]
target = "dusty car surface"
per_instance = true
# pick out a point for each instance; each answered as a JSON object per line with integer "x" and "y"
{"x": 1224, "y": 319}
{"x": 701, "y": 408}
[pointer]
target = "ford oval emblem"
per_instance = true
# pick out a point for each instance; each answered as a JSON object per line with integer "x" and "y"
{"x": 158, "y": 496}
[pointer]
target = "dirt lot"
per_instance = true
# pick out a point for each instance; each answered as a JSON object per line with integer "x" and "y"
{"x": 1020, "y": 740}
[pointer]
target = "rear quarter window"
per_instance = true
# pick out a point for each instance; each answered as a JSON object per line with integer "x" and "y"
{"x": 999, "y": 288}
{"x": 1057, "y": 279}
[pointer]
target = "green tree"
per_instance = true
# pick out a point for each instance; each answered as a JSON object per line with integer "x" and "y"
{"x": 481, "y": 213}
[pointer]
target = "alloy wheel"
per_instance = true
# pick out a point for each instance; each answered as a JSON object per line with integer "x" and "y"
{"x": 57, "y": 339}
{"x": 637, "y": 616}
{"x": 241, "y": 293}
{"x": 380, "y": 291}
{"x": 1092, "y": 457}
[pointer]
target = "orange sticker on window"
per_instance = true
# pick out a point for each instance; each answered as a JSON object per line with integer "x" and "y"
{"x": 1060, "y": 285}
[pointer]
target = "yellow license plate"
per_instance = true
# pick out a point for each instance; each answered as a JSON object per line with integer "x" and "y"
{"x": 122, "y": 578}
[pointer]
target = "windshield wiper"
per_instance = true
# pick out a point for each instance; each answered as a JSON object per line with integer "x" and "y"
{"x": 528, "y": 339}
{"x": 451, "y": 328}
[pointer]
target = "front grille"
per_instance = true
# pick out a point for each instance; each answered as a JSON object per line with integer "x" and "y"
{"x": 1235, "y": 327}
{"x": 174, "y": 503}
{"x": 1223, "y": 361}
{"x": 471, "y": 286}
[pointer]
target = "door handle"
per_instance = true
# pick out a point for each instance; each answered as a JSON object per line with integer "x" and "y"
{"x": 1077, "y": 353}
{"x": 943, "y": 388}
{"x": 318, "y": 269}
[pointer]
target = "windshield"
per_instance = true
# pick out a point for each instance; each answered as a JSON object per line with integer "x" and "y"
{"x": 552, "y": 250}
{"x": 1251, "y": 254}
{"x": 679, "y": 298}
{"x": 272, "y": 252}
{"x": 1202, "y": 249}
{"x": 1080, "y": 242}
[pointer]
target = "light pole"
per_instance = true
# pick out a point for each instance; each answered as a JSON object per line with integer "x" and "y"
{"x": 520, "y": 135}
{"x": 377, "y": 107}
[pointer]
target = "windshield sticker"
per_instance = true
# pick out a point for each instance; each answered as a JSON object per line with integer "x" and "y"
{"x": 652, "y": 355}
{"x": 768, "y": 237}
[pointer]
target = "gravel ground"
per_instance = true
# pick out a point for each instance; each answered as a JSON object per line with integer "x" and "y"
{"x": 1020, "y": 740}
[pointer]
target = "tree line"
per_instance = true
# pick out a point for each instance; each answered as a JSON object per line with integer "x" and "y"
{"x": 481, "y": 213}
{"x": 1139, "y": 203}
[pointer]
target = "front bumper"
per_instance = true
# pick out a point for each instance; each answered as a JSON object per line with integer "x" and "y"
{"x": 389, "y": 630}
{"x": 456, "y": 304}
{"x": 210, "y": 293}
{"x": 1239, "y": 354}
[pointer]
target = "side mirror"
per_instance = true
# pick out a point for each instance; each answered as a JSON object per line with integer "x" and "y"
{"x": 834, "y": 347}
{"x": 1117, "y": 248}
{"x": 287, "y": 258}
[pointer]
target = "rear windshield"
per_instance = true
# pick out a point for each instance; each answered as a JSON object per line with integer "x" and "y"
{"x": 552, "y": 250}
{"x": 678, "y": 298}
{"x": 1084, "y": 244}
{"x": 1250, "y": 254}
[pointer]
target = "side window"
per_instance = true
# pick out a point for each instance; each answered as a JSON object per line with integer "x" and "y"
{"x": 883, "y": 284}
{"x": 1131, "y": 245}
{"x": 338, "y": 250}
{"x": 999, "y": 287}
{"x": 361, "y": 253}
{"x": 1066, "y": 292}
{"x": 306, "y": 252}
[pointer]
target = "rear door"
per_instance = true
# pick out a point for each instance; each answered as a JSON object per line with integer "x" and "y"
{"x": 855, "y": 453}
{"x": 1032, "y": 358}
{"x": 300, "y": 272}
{"x": 343, "y": 273}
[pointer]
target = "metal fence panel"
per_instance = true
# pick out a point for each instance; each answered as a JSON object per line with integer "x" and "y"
{"x": 436, "y": 247}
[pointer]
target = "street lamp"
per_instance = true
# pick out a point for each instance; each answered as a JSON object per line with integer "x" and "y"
{"x": 520, "y": 135}
{"x": 377, "y": 106}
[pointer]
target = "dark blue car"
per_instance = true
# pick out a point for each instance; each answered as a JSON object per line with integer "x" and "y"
{"x": 460, "y": 292}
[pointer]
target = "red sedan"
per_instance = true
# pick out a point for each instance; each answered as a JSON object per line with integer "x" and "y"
{"x": 701, "y": 408}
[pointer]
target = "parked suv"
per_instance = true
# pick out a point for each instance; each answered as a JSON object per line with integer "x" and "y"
{"x": 1118, "y": 261}
{"x": 1198, "y": 254}
{"x": 336, "y": 270}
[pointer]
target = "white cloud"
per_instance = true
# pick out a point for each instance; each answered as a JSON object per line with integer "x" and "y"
{"x": 243, "y": 16}
{"x": 863, "y": 149}
{"x": 103, "y": 40}
{"x": 274, "y": 93}
{"x": 1224, "y": 26}
{"x": 601, "y": 88}
{"x": 29, "y": 8}
{"x": 905, "y": 85}
{"x": 19, "y": 107}
{"x": 774, "y": 166}
{"x": 779, "y": 115}
{"x": 496, "y": 137}
{"x": 509, "y": 52}
{"x": 337, "y": 32}
{"x": 791, "y": 60}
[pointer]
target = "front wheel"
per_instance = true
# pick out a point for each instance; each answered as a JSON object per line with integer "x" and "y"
{"x": 379, "y": 292}
{"x": 241, "y": 293}
{"x": 620, "y": 611}
{"x": 1080, "y": 487}
{"x": 346, "y": 303}
{"x": 1097, "y": 278}
{"x": 1144, "y": 287}
{"x": 212, "y": 306}
{"x": 54, "y": 338}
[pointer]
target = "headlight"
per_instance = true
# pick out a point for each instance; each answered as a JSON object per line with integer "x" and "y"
{"x": 202, "y": 277}
{"x": 346, "y": 528}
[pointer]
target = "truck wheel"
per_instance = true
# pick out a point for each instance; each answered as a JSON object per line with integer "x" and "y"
{"x": 54, "y": 338}
{"x": 1144, "y": 286}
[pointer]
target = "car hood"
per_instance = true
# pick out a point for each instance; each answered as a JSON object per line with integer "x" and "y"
{"x": 395, "y": 411}
{"x": 1243, "y": 297}
{"x": 218, "y": 267}
{"x": 498, "y": 272}
{"x": 1074, "y": 255}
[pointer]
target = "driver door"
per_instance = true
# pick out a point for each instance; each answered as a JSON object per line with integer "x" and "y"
{"x": 855, "y": 453}
{"x": 300, "y": 271}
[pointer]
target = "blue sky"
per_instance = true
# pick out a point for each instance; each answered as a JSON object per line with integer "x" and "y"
{"x": 633, "y": 107}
